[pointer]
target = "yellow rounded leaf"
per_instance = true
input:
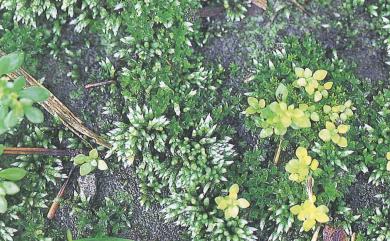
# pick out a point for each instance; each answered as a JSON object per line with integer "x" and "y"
{"x": 262, "y": 103}
{"x": 233, "y": 190}
{"x": 388, "y": 156}
{"x": 343, "y": 142}
{"x": 309, "y": 89}
{"x": 336, "y": 109}
{"x": 317, "y": 96}
{"x": 221, "y": 202}
{"x": 320, "y": 74}
{"x": 343, "y": 117}
{"x": 328, "y": 85}
{"x": 342, "y": 129}
{"x": 301, "y": 82}
{"x": 307, "y": 160}
{"x": 243, "y": 203}
{"x": 324, "y": 135}
{"x": 308, "y": 73}
{"x": 348, "y": 104}
{"x": 309, "y": 224}
{"x": 231, "y": 212}
{"x": 314, "y": 165}
{"x": 294, "y": 177}
{"x": 327, "y": 108}
{"x": 322, "y": 217}
{"x": 295, "y": 209}
{"x": 301, "y": 152}
{"x": 336, "y": 138}
{"x": 388, "y": 166}
{"x": 314, "y": 116}
{"x": 330, "y": 126}
{"x": 299, "y": 72}
{"x": 349, "y": 112}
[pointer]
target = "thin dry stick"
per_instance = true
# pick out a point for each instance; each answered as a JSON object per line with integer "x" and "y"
{"x": 57, "y": 201}
{"x": 299, "y": 6}
{"x": 316, "y": 233}
{"x": 38, "y": 151}
{"x": 89, "y": 86}
{"x": 353, "y": 237}
{"x": 277, "y": 153}
{"x": 55, "y": 107}
{"x": 309, "y": 187}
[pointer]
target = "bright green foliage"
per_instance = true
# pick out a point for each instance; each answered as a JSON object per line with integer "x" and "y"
{"x": 89, "y": 163}
{"x": 277, "y": 117}
{"x": 310, "y": 214}
{"x": 332, "y": 133}
{"x": 8, "y": 177}
{"x": 15, "y": 100}
{"x": 310, "y": 82}
{"x": 231, "y": 204}
{"x": 299, "y": 168}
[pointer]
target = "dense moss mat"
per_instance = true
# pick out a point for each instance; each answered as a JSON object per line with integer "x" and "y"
{"x": 181, "y": 88}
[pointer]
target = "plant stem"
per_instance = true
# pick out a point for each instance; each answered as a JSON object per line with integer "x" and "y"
{"x": 39, "y": 151}
{"x": 90, "y": 86}
{"x": 277, "y": 153}
{"x": 56, "y": 108}
{"x": 316, "y": 233}
{"x": 57, "y": 201}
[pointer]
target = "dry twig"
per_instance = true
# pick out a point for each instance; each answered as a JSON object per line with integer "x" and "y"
{"x": 56, "y": 108}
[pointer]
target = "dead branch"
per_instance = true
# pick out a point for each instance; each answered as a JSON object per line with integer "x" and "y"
{"x": 56, "y": 108}
{"x": 39, "y": 151}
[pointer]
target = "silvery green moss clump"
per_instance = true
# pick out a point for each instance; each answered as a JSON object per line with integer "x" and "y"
{"x": 187, "y": 168}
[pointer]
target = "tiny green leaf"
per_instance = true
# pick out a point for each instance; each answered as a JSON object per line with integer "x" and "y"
{"x": 10, "y": 187}
{"x": 34, "y": 114}
{"x": 11, "y": 62}
{"x": 3, "y": 204}
{"x": 281, "y": 92}
{"x": 94, "y": 154}
{"x": 85, "y": 169}
{"x": 13, "y": 174}
{"x": 35, "y": 93}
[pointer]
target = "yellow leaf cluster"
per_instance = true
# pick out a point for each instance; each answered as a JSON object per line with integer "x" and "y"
{"x": 230, "y": 204}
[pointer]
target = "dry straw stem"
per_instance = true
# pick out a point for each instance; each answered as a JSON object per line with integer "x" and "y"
{"x": 39, "y": 151}
{"x": 56, "y": 108}
{"x": 277, "y": 153}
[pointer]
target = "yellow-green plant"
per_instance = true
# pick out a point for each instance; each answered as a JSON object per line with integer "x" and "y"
{"x": 310, "y": 82}
{"x": 230, "y": 204}
{"x": 332, "y": 133}
{"x": 339, "y": 112}
{"x": 299, "y": 168}
{"x": 310, "y": 214}
{"x": 277, "y": 117}
{"x": 89, "y": 163}
{"x": 388, "y": 159}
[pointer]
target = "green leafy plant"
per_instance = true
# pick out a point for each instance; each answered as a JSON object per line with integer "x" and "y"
{"x": 388, "y": 161}
{"x": 339, "y": 112}
{"x": 8, "y": 185}
{"x": 310, "y": 82}
{"x": 231, "y": 204}
{"x": 299, "y": 168}
{"x": 89, "y": 163}
{"x": 16, "y": 101}
{"x": 277, "y": 117}
{"x": 310, "y": 214}
{"x": 332, "y": 133}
